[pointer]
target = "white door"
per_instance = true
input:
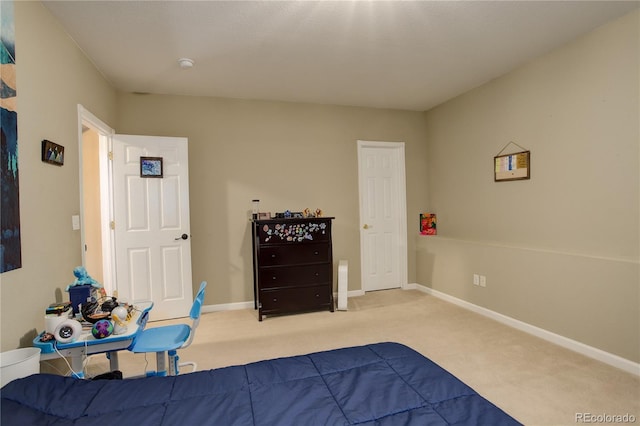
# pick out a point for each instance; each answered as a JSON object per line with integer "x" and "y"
{"x": 383, "y": 230}
{"x": 152, "y": 232}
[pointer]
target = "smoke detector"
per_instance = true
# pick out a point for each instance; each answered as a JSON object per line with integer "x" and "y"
{"x": 185, "y": 63}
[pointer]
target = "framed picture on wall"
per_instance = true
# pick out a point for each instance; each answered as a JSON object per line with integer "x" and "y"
{"x": 151, "y": 167}
{"x": 512, "y": 166}
{"x": 428, "y": 224}
{"x": 52, "y": 153}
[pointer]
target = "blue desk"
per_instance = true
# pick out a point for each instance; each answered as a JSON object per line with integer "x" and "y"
{"x": 86, "y": 344}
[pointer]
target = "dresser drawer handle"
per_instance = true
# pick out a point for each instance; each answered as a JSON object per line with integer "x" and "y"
{"x": 275, "y": 299}
{"x": 317, "y": 274}
{"x": 273, "y": 277}
{"x": 316, "y": 253}
{"x": 273, "y": 256}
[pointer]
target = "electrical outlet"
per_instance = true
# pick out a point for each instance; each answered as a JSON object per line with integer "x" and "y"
{"x": 483, "y": 281}
{"x": 476, "y": 279}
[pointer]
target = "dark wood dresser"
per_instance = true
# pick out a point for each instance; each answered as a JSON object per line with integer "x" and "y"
{"x": 293, "y": 265}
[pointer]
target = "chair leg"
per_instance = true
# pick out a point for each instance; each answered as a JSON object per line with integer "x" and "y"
{"x": 161, "y": 367}
{"x": 192, "y": 364}
{"x": 174, "y": 366}
{"x": 173, "y": 363}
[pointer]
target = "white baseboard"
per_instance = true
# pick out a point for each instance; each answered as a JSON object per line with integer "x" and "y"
{"x": 589, "y": 351}
{"x": 355, "y": 293}
{"x": 227, "y": 307}
{"x": 249, "y": 305}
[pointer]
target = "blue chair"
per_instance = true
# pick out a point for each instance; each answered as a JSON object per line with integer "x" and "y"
{"x": 166, "y": 340}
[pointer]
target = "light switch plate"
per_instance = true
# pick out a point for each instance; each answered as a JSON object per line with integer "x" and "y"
{"x": 75, "y": 222}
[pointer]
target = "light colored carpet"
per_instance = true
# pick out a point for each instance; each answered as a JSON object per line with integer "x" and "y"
{"x": 536, "y": 382}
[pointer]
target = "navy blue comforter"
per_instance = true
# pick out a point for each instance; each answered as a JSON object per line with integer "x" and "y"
{"x": 379, "y": 384}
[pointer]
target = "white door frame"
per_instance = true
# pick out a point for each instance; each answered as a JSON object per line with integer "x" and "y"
{"x": 401, "y": 206}
{"x": 86, "y": 118}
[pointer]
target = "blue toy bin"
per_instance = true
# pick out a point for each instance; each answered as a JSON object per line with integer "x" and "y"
{"x": 78, "y": 295}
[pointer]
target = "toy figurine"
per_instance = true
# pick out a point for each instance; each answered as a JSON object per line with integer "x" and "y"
{"x": 120, "y": 318}
{"x": 83, "y": 278}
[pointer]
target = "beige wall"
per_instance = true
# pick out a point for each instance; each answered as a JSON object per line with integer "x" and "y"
{"x": 53, "y": 76}
{"x": 288, "y": 155}
{"x": 560, "y": 251}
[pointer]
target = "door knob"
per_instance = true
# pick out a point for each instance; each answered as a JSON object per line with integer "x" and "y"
{"x": 365, "y": 226}
{"x": 183, "y": 237}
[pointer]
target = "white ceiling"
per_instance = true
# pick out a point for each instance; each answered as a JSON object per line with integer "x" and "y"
{"x": 389, "y": 54}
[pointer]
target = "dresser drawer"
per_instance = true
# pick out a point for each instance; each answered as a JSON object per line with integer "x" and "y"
{"x": 295, "y": 275}
{"x": 292, "y": 231}
{"x": 295, "y": 299}
{"x": 301, "y": 253}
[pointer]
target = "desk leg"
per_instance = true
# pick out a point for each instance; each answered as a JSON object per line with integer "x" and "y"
{"x": 113, "y": 360}
{"x": 76, "y": 366}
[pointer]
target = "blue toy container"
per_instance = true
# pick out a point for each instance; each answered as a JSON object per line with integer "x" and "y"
{"x": 79, "y": 294}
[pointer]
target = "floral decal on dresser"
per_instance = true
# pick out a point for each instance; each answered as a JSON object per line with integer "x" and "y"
{"x": 295, "y": 232}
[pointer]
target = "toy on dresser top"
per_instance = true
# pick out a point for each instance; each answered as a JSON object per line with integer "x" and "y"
{"x": 306, "y": 213}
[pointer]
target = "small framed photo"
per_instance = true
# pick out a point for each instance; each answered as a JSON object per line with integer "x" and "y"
{"x": 151, "y": 167}
{"x": 52, "y": 153}
{"x": 428, "y": 224}
{"x": 515, "y": 166}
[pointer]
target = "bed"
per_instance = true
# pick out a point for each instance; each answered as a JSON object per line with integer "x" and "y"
{"x": 378, "y": 384}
